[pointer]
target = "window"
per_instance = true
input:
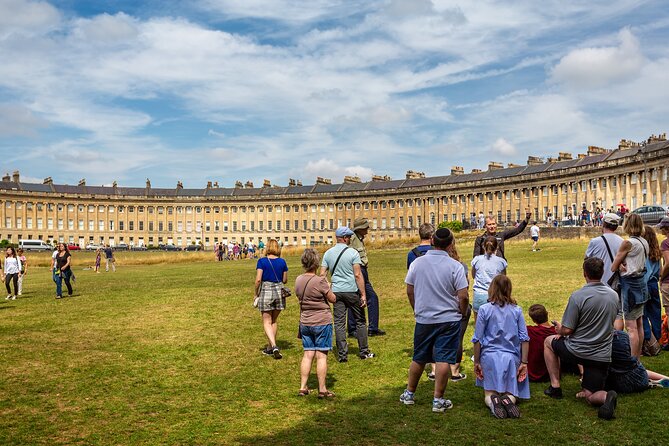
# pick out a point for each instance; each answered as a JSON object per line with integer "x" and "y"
{"x": 101, "y": 225}
{"x": 29, "y": 223}
{"x": 170, "y": 226}
{"x": 131, "y": 225}
{"x": 150, "y": 225}
{"x": 91, "y": 225}
{"x": 111, "y": 225}
{"x": 40, "y": 223}
{"x": 70, "y": 224}
{"x": 121, "y": 225}
{"x": 60, "y": 223}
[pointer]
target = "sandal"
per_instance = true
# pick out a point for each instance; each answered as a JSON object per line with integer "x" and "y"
{"x": 497, "y": 408}
{"x": 511, "y": 409}
{"x": 325, "y": 395}
{"x": 303, "y": 392}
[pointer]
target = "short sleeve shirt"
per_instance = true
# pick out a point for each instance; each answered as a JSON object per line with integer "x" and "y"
{"x": 436, "y": 279}
{"x": 412, "y": 255}
{"x": 591, "y": 312}
{"x": 314, "y": 308}
{"x": 534, "y": 231}
{"x": 359, "y": 245}
{"x": 597, "y": 248}
{"x": 272, "y": 269}
{"x": 343, "y": 279}
{"x": 486, "y": 269}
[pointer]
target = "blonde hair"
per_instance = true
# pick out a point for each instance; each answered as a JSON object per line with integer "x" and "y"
{"x": 500, "y": 291}
{"x": 633, "y": 225}
{"x": 273, "y": 248}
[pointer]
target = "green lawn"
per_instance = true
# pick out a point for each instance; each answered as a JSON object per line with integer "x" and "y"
{"x": 170, "y": 354}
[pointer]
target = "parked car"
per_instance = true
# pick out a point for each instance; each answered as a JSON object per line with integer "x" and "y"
{"x": 122, "y": 247}
{"x": 652, "y": 215}
{"x": 73, "y": 247}
{"x": 169, "y": 248}
{"x": 93, "y": 247}
{"x": 193, "y": 248}
{"x": 34, "y": 245}
{"x": 138, "y": 248}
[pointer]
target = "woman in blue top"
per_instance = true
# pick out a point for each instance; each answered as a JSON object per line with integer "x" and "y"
{"x": 501, "y": 346}
{"x": 484, "y": 268}
{"x": 271, "y": 274}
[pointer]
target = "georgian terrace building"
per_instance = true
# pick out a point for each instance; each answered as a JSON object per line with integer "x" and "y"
{"x": 633, "y": 174}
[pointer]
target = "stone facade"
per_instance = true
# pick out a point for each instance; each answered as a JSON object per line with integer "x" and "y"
{"x": 633, "y": 174}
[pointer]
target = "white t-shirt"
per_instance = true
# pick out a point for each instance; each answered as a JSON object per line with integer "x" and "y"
{"x": 597, "y": 248}
{"x": 534, "y": 231}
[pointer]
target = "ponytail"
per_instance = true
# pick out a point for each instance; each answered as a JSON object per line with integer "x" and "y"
{"x": 490, "y": 246}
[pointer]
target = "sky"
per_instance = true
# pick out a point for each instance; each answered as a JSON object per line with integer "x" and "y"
{"x": 247, "y": 90}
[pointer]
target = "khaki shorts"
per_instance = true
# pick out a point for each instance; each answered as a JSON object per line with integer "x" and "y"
{"x": 664, "y": 290}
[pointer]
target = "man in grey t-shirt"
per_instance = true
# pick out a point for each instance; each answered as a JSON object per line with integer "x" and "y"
{"x": 597, "y": 246}
{"x": 584, "y": 337}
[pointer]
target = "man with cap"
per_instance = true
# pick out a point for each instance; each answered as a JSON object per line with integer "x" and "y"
{"x": 491, "y": 231}
{"x": 663, "y": 226}
{"x": 360, "y": 228}
{"x": 348, "y": 285}
{"x": 606, "y": 246}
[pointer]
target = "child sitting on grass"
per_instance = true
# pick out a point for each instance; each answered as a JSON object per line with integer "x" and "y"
{"x": 501, "y": 345}
{"x": 536, "y": 365}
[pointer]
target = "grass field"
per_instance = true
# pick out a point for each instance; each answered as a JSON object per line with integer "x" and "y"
{"x": 169, "y": 353}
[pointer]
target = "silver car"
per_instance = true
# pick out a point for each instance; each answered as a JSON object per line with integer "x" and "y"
{"x": 651, "y": 215}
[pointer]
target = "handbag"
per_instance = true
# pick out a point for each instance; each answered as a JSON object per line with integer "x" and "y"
{"x": 285, "y": 291}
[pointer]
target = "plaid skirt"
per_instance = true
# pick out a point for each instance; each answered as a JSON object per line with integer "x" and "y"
{"x": 270, "y": 297}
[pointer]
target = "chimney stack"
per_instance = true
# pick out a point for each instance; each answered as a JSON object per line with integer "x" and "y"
{"x": 321, "y": 180}
{"x": 457, "y": 170}
{"x": 15, "y": 176}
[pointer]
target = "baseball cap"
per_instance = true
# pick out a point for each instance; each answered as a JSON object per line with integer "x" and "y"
{"x": 611, "y": 218}
{"x": 664, "y": 223}
{"x": 343, "y": 231}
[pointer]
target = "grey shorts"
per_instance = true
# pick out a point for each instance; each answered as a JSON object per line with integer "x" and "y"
{"x": 270, "y": 297}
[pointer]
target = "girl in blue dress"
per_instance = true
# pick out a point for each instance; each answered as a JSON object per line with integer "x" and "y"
{"x": 501, "y": 345}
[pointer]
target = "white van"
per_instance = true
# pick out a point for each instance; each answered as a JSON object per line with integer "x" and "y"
{"x": 34, "y": 245}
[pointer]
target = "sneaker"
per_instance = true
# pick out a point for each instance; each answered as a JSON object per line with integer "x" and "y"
{"x": 277, "y": 354}
{"x": 342, "y": 359}
{"x": 554, "y": 392}
{"x": 441, "y": 405}
{"x": 431, "y": 376}
{"x": 458, "y": 377}
{"x": 407, "y": 398}
{"x": 664, "y": 383}
{"x": 367, "y": 355}
{"x": 267, "y": 351}
{"x": 606, "y": 410}
{"x": 9, "y": 296}
{"x": 13, "y": 298}
{"x": 377, "y": 332}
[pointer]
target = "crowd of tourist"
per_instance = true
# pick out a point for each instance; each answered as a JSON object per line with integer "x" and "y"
{"x": 237, "y": 251}
{"x": 626, "y": 283}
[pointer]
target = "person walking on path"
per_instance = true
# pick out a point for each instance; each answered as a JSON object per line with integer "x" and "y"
{"x": 271, "y": 274}
{"x": 63, "y": 270}
{"x": 109, "y": 258}
{"x": 348, "y": 286}
{"x": 437, "y": 292}
{"x": 11, "y": 272}
{"x": 315, "y": 296}
{"x": 360, "y": 228}
{"x": 491, "y": 231}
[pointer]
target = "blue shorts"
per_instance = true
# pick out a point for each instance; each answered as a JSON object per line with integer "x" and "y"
{"x": 436, "y": 342}
{"x": 317, "y": 337}
{"x": 480, "y": 298}
{"x": 535, "y": 238}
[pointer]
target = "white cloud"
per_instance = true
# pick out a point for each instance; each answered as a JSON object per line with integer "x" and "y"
{"x": 27, "y": 17}
{"x": 18, "y": 120}
{"x": 327, "y": 168}
{"x": 503, "y": 147}
{"x": 596, "y": 67}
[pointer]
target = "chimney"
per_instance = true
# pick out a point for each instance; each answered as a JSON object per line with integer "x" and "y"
{"x": 180, "y": 185}
{"x": 594, "y": 150}
{"x": 249, "y": 184}
{"x": 292, "y": 182}
{"x": 351, "y": 179}
{"x": 82, "y": 182}
{"x": 511, "y": 165}
{"x": 581, "y": 156}
{"x": 380, "y": 178}
{"x": 266, "y": 183}
{"x": 148, "y": 183}
{"x": 412, "y": 174}
{"x": 208, "y": 184}
{"x": 216, "y": 184}
{"x": 564, "y": 156}
{"x": 534, "y": 160}
{"x": 6, "y": 177}
{"x": 114, "y": 184}
{"x": 15, "y": 176}
{"x": 476, "y": 171}
{"x": 47, "y": 180}
{"x": 492, "y": 165}
{"x": 457, "y": 170}
{"x": 552, "y": 159}
{"x": 321, "y": 180}
{"x": 299, "y": 182}
{"x": 239, "y": 184}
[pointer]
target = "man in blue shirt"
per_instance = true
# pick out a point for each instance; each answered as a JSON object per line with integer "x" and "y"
{"x": 348, "y": 285}
{"x": 437, "y": 291}
{"x": 425, "y": 232}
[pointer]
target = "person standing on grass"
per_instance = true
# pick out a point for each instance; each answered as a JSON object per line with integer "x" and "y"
{"x": 360, "y": 229}
{"x": 425, "y": 232}
{"x": 437, "y": 292}
{"x": 315, "y": 296}
{"x": 63, "y": 270}
{"x": 652, "y": 311}
{"x": 271, "y": 274}
{"x": 630, "y": 261}
{"x": 501, "y": 347}
{"x": 11, "y": 272}
{"x": 491, "y": 231}
{"x": 534, "y": 233}
{"x": 484, "y": 268}
{"x": 109, "y": 258}
{"x": 98, "y": 259}
{"x": 456, "y": 371}
{"x": 584, "y": 337}
{"x": 606, "y": 246}
{"x": 663, "y": 226}
{"x": 24, "y": 268}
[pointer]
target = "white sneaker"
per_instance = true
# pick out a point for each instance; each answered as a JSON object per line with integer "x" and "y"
{"x": 13, "y": 297}
{"x": 9, "y": 296}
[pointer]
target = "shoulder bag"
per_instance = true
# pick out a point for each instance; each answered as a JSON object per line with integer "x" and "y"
{"x": 614, "y": 280}
{"x": 285, "y": 291}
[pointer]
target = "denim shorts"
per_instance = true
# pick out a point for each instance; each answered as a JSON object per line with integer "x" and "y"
{"x": 631, "y": 381}
{"x": 480, "y": 298}
{"x": 634, "y": 294}
{"x": 317, "y": 337}
{"x": 436, "y": 342}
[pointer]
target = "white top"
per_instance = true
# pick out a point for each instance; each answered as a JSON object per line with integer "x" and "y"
{"x": 534, "y": 231}
{"x": 12, "y": 265}
{"x": 635, "y": 261}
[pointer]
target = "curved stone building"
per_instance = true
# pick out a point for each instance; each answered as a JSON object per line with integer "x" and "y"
{"x": 633, "y": 174}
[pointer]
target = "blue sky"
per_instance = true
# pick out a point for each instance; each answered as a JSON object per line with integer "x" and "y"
{"x": 227, "y": 90}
